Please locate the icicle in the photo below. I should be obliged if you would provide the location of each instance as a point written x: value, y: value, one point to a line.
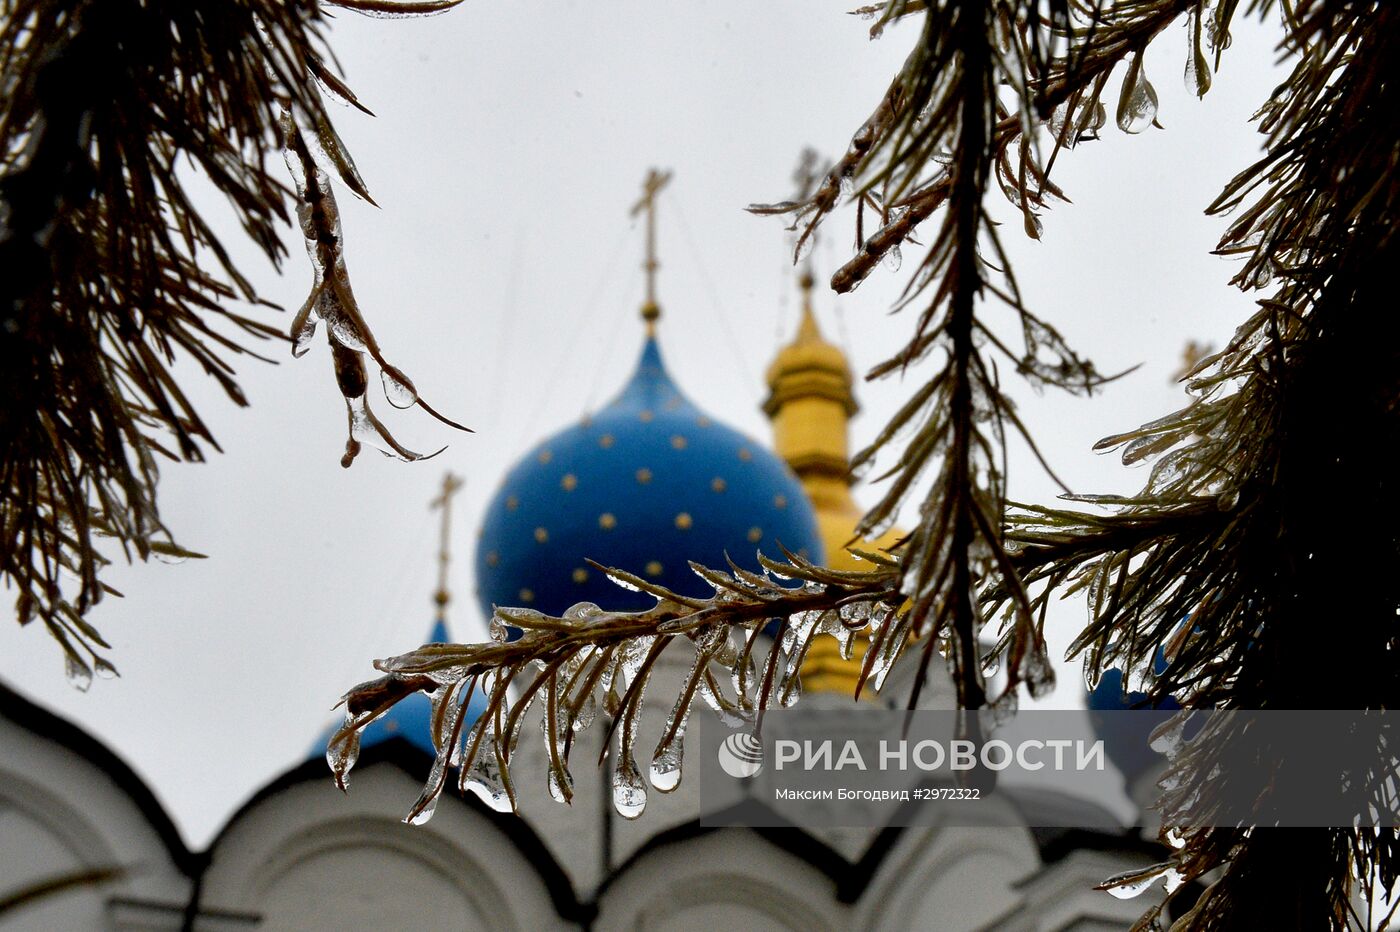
x: 79, y: 674
x: 485, y: 779
x: 1137, y: 101
x: 1133, y: 883
x: 1197, y: 74
x: 398, y: 388
x: 629, y: 793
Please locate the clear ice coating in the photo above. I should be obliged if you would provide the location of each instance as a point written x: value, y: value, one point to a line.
x: 1167, y: 738
x: 1133, y: 883
x: 79, y: 674
x: 629, y: 793
x: 1137, y: 101
x: 560, y: 785
x: 1197, y: 74
x: 398, y: 388
x: 666, y: 766
x: 484, y: 779
x: 421, y: 814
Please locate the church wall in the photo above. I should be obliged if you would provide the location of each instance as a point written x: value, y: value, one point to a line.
x: 61, y: 813
x: 308, y: 857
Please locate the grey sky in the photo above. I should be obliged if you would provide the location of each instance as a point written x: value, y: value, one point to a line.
x: 502, y: 274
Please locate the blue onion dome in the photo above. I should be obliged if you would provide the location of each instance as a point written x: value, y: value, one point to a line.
x: 411, y: 719
x: 1123, y: 740
x: 647, y: 484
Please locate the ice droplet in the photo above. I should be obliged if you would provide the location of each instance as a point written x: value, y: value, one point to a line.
x: 1133, y: 883
x: 105, y: 669
x: 398, y: 388
x: 666, y: 766
x: 1137, y: 101
x: 629, y: 794
x: 557, y: 790
x: 341, y: 757
x: 586, y: 713
x: 485, y: 780
x: 1197, y: 74
x: 1167, y: 738
x: 301, y: 340
x: 421, y: 815
x: 892, y: 259
x: 79, y: 674
x: 498, y: 630
x: 582, y: 611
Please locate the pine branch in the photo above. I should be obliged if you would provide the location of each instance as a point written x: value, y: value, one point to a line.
x: 112, y: 273
x: 588, y: 652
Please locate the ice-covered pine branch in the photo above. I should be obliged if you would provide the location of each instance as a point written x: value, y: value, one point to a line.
x: 590, y: 659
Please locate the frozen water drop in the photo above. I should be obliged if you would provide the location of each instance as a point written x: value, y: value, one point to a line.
x: 422, y: 814
x: 892, y: 259
x: 1134, y: 883
x: 398, y: 388
x: 1137, y: 101
x: 666, y: 768
x: 301, y: 340
x: 557, y: 787
x: 79, y: 674
x: 629, y: 795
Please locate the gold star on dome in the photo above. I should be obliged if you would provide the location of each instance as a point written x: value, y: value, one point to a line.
x: 678, y: 442
x: 580, y: 575
x: 569, y: 482
x: 702, y: 421
x: 780, y: 502
x: 644, y: 475
x: 606, y: 521
x: 541, y: 535
x: 493, y: 558
x: 512, y: 503
x: 605, y: 441
x: 527, y: 595
x: 745, y: 454
x: 717, y: 484
x: 646, y: 416
x: 654, y: 568
x: 755, y: 534
x: 683, y: 521
x: 545, y: 456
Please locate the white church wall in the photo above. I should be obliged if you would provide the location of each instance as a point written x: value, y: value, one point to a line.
x: 308, y: 858
x: 61, y: 813
x: 730, y: 879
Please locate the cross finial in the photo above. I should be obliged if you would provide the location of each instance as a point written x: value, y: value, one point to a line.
x: 450, y: 486
x: 1191, y: 357
x: 655, y: 181
x: 805, y: 177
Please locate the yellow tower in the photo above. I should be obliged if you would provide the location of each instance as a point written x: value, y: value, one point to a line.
x: 810, y: 403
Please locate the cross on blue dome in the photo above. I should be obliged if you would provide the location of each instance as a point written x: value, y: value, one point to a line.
x: 647, y: 484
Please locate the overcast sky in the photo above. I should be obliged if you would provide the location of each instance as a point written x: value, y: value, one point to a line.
x: 501, y: 272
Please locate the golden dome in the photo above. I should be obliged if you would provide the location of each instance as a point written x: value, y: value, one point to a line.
x: 810, y: 405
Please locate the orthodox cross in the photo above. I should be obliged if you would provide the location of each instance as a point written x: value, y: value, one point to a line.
x: 450, y: 486
x: 1191, y: 356
x: 655, y: 181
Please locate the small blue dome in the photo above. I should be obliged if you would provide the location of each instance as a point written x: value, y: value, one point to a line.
x: 411, y: 718
x: 645, y: 485
x: 1124, y: 739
